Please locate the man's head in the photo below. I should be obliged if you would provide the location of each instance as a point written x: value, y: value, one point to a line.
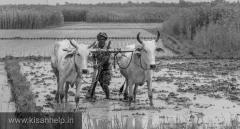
x: 102, y: 38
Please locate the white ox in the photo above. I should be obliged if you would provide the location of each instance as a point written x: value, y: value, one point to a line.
x: 69, y: 62
x: 138, y: 69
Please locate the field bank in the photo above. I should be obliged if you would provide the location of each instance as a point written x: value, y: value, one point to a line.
x: 6, y: 104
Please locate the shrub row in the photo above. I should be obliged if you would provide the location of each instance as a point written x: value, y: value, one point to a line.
x: 29, y: 17
x: 213, y: 29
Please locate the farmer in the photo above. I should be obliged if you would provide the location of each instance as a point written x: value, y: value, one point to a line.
x: 102, y: 66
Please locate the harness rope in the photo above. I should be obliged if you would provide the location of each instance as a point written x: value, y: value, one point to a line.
x: 141, y: 65
x: 127, y: 64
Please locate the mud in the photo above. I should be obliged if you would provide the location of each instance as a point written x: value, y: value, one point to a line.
x: 183, y: 90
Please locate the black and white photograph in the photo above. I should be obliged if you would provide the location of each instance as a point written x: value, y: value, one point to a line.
x: 119, y: 64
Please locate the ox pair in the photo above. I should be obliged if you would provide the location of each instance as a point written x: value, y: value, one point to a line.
x: 69, y: 62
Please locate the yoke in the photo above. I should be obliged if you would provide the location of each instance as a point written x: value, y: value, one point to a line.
x: 115, y: 51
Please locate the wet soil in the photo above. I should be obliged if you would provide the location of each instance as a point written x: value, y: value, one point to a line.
x: 203, y: 90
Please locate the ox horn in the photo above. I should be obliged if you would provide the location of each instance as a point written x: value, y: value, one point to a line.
x: 158, y: 36
x: 138, y: 38
x: 73, y: 44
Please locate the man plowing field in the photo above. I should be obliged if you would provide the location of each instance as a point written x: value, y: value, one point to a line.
x: 102, y: 66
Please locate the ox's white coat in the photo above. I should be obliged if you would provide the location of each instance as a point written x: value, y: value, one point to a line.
x: 138, y: 71
x: 67, y: 68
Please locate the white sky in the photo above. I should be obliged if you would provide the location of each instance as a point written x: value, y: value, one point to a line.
x: 2, y: 2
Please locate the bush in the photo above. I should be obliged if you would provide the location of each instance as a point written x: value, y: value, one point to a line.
x: 71, y: 14
x: 98, y: 13
x: 213, y: 29
x: 29, y: 17
x: 188, y: 21
x: 218, y: 41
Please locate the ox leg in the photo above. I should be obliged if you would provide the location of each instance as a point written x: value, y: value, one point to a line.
x: 60, y: 88
x: 57, y: 93
x: 130, y: 97
x: 121, y: 88
x: 135, y: 92
x: 150, y: 96
x: 78, y: 87
x: 105, y: 82
x: 126, y: 91
x: 66, y: 91
x: 55, y: 71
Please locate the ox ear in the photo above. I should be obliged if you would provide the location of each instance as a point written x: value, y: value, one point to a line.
x: 70, y: 53
x: 158, y: 36
x: 67, y: 50
x: 69, y: 56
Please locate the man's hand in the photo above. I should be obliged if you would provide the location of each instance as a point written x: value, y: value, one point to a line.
x: 97, y: 66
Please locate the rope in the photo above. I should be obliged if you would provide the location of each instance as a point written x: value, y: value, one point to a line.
x: 128, y: 63
x: 142, y: 65
x: 86, y: 82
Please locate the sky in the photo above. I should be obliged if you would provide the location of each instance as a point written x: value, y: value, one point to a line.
x: 53, y: 2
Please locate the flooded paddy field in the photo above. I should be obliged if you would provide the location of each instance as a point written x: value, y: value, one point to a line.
x: 201, y: 91
x: 205, y: 91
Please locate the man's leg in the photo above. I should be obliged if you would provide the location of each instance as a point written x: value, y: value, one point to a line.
x: 104, y: 80
x: 92, y: 87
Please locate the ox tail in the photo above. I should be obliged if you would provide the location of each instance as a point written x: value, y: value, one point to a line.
x: 122, y: 87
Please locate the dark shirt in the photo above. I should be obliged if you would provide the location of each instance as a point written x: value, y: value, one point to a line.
x: 103, y: 58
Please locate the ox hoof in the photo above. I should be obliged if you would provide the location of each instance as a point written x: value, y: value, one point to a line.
x: 57, y: 98
x: 130, y: 100
x: 88, y: 96
x: 125, y: 96
x: 107, y: 97
x: 132, y: 108
x: 151, y: 105
x: 77, y: 100
x: 76, y: 106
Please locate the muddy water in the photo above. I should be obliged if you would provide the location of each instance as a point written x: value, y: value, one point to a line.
x: 204, y: 91
x: 6, y: 105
